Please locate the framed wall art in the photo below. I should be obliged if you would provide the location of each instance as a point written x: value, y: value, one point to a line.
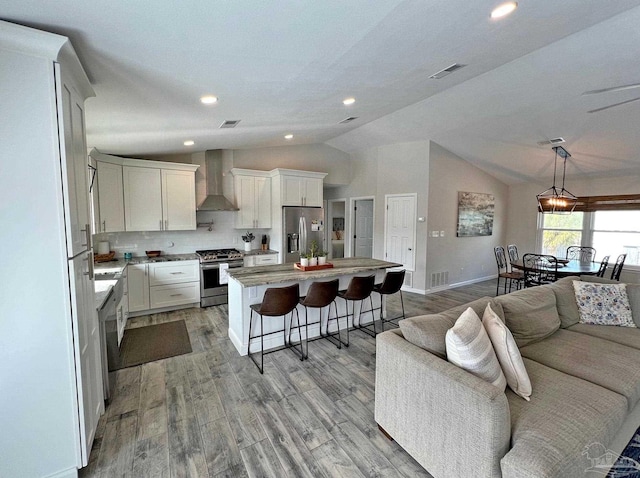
x: 475, y: 214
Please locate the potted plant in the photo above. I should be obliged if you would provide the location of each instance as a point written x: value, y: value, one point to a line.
x: 248, y: 238
x: 304, y: 260
x: 322, y: 257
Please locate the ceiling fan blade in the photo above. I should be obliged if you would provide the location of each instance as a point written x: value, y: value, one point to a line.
x: 614, y: 88
x: 614, y: 105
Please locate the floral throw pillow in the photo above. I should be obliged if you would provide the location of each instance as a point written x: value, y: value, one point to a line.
x: 603, y: 304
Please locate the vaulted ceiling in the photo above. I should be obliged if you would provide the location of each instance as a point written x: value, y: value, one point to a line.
x: 285, y: 66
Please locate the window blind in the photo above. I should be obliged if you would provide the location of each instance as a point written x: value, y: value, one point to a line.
x: 621, y: 202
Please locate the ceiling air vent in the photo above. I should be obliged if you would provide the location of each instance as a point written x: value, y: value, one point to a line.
x: 448, y: 70
x: 348, y: 120
x: 551, y: 141
x: 230, y: 124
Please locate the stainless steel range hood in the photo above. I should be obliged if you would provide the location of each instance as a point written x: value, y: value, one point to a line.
x: 215, y: 200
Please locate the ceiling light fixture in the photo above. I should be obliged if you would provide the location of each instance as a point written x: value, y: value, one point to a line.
x: 348, y: 101
x: 504, y: 9
x: 553, y: 201
x: 208, y: 99
x: 288, y: 136
x: 189, y: 142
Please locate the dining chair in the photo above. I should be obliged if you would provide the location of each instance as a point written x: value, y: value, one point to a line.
x: 604, y: 263
x: 512, y: 251
x: 617, y: 268
x: 581, y: 253
x: 539, y: 269
x: 509, y: 276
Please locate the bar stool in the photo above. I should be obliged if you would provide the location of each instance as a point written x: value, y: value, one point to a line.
x: 391, y: 284
x: 359, y: 289
x: 277, y: 301
x: 320, y: 295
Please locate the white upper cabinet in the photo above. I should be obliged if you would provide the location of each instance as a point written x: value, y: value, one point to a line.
x: 110, y: 191
x: 141, y: 195
x: 253, y: 198
x: 142, y: 199
x: 300, y: 188
x: 178, y: 200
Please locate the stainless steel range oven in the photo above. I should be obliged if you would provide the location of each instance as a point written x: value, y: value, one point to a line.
x: 213, y: 289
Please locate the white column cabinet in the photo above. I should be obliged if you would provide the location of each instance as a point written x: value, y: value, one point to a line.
x: 110, y: 189
x: 253, y: 198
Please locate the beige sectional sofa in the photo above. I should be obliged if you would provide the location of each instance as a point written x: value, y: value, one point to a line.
x: 585, y: 380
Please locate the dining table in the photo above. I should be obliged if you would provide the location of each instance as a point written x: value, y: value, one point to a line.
x: 568, y: 268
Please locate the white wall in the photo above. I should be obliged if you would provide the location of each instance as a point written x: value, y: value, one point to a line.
x: 464, y: 258
x: 522, y: 218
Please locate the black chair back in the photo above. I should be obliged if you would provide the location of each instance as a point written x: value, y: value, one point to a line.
x: 603, y: 266
x: 539, y: 269
x: 512, y: 250
x: 321, y: 294
x: 279, y: 300
x: 501, y: 259
x: 392, y: 282
x: 359, y: 288
x: 617, y: 268
x: 581, y: 253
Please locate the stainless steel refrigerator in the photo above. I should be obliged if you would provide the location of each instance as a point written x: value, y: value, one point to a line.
x: 301, y: 226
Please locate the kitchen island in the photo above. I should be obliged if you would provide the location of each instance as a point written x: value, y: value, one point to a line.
x: 248, y: 284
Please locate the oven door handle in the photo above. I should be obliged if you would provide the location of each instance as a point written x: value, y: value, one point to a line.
x: 206, y: 267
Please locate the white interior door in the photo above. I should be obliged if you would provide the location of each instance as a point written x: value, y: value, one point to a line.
x: 363, y: 219
x: 400, y: 230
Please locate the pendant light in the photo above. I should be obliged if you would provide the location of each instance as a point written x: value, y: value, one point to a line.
x: 553, y: 201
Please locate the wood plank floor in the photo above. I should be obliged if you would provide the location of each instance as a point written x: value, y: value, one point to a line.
x: 211, y: 414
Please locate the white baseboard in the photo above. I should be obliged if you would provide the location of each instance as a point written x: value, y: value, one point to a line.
x: 460, y: 284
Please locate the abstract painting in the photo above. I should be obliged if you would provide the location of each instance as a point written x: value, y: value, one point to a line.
x: 475, y: 214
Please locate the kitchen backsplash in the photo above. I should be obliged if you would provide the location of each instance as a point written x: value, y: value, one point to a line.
x: 222, y: 235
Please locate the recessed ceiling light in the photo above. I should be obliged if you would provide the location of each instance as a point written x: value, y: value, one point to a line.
x: 189, y: 143
x: 348, y: 101
x: 209, y: 99
x: 288, y: 136
x: 504, y: 9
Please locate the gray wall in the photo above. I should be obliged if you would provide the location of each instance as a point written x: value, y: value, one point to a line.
x: 390, y: 169
x: 307, y: 157
x: 464, y: 258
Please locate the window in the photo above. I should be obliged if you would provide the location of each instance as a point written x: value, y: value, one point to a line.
x: 560, y: 231
x: 617, y: 232
x: 610, y: 232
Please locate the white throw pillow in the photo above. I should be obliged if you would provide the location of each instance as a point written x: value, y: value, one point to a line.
x: 469, y: 347
x: 508, y: 353
x: 603, y: 304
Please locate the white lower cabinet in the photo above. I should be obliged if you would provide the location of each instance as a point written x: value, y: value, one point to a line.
x: 160, y: 285
x: 260, y: 260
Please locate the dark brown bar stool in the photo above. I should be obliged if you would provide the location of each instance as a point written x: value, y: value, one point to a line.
x: 320, y: 295
x: 359, y: 289
x: 392, y: 284
x: 277, y: 301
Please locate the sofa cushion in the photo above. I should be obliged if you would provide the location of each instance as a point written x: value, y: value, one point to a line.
x: 507, y: 353
x: 428, y: 331
x: 620, y: 335
x: 469, y: 347
x: 565, y: 415
x: 566, y: 301
x: 530, y: 314
x: 609, y: 365
x: 603, y: 304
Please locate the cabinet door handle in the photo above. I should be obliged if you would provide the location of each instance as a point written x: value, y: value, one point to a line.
x: 87, y: 236
x: 104, y: 226
x: 176, y: 273
x: 161, y: 224
x: 175, y: 295
x: 166, y: 224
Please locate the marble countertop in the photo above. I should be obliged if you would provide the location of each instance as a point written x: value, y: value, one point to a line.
x: 102, y: 289
x: 259, y: 252
x: 116, y: 266
x: 274, y: 274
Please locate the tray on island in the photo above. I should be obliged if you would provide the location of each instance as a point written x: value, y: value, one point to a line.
x: 298, y: 266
